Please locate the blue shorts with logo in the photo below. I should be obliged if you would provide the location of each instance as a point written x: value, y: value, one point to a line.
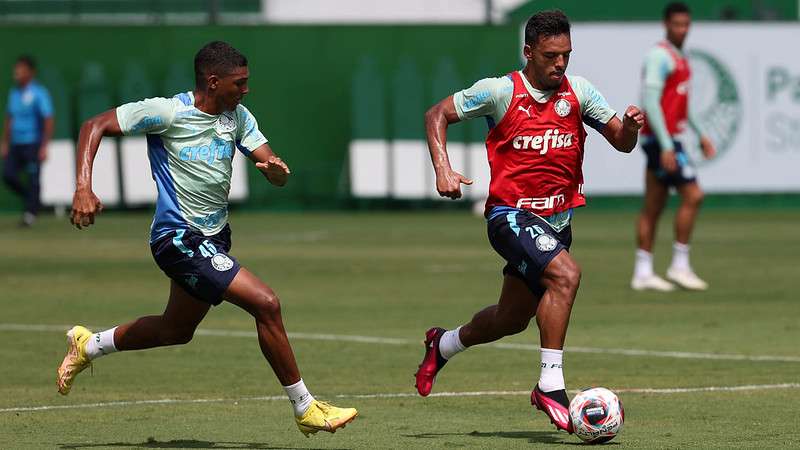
x: 684, y: 174
x: 199, y: 264
x: 528, y: 243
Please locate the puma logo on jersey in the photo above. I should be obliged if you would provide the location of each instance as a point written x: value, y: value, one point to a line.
x: 552, y: 139
x: 525, y: 110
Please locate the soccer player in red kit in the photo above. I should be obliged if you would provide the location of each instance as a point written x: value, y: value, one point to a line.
x: 665, y: 98
x: 535, y: 150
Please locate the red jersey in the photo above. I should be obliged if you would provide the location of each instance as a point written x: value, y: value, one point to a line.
x: 536, y: 152
x: 675, y: 95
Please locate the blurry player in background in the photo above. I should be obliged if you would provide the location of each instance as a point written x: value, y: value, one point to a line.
x: 666, y: 104
x: 191, y: 141
x: 535, y: 150
x: 27, y: 130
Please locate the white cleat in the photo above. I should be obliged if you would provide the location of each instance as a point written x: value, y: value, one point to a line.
x: 651, y: 283
x: 686, y: 279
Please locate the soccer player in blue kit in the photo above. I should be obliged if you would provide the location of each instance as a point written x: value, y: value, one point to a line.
x: 191, y: 141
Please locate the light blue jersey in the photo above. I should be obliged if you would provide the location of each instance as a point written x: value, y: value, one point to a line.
x: 190, y: 155
x: 28, y: 107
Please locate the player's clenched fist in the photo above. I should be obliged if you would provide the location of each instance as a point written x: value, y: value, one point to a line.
x: 449, y: 184
x: 85, y: 205
x: 633, y: 119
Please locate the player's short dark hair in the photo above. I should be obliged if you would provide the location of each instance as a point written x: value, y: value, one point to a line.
x: 675, y: 8
x: 27, y: 60
x: 218, y: 58
x: 545, y: 24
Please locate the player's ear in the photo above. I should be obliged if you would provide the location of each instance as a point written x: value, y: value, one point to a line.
x: 527, y: 51
x: 212, y: 82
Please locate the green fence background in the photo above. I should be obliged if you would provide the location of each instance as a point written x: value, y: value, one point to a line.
x: 303, y: 83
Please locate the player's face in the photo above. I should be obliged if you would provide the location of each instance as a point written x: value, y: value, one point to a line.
x: 22, y: 73
x: 677, y: 28
x: 549, y: 58
x: 231, y: 88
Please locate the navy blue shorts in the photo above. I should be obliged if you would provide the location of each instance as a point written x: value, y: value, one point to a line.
x: 199, y: 264
x: 528, y: 243
x: 684, y: 174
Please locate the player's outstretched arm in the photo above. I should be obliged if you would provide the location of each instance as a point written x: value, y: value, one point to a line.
x: 623, y: 134
x: 437, y: 118
x: 85, y: 205
x: 271, y: 166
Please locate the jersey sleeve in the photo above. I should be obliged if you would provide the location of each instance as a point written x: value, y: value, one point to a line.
x: 45, y: 103
x: 487, y: 97
x: 248, y: 136
x: 657, y: 66
x: 595, y: 110
x: 149, y: 116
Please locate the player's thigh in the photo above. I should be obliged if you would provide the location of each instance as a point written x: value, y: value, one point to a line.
x: 516, y: 298
x: 561, y: 272
x: 250, y: 293
x: 528, y: 244
x: 184, y: 311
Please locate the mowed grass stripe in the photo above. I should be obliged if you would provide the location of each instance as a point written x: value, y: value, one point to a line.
x: 398, y: 341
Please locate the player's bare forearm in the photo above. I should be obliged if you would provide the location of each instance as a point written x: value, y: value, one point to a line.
x: 47, y: 135
x: 85, y: 205
x: 92, y: 131
x: 623, y: 134
x: 437, y: 118
x: 49, y: 126
x: 271, y: 166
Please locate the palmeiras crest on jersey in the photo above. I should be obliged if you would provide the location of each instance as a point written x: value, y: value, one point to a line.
x: 225, y: 123
x: 562, y: 107
x: 545, y: 242
x: 221, y: 262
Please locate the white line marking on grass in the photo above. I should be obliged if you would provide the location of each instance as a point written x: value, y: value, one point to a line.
x: 171, y: 401
x: 400, y: 341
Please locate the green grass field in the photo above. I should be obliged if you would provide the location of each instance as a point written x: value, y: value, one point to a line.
x: 392, y: 275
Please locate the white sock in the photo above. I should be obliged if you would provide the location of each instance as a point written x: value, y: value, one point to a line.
x: 680, y: 256
x: 450, y: 344
x: 644, y: 264
x: 299, y: 397
x: 100, y: 344
x: 552, y: 376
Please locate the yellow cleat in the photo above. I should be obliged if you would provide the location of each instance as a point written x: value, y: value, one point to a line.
x: 76, y: 359
x: 322, y: 416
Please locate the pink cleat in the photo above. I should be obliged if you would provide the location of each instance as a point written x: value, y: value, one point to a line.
x: 432, y: 363
x: 556, y: 405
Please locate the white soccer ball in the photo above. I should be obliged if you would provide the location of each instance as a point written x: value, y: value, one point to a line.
x: 596, y: 415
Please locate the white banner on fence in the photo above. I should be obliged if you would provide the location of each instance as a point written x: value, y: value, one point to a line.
x: 745, y: 91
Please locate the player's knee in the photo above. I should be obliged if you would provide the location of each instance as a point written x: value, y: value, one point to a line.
x: 698, y: 198
x: 570, y: 277
x: 268, y: 305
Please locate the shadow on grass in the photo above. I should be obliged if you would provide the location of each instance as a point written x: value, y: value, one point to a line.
x: 534, y: 437
x: 184, y: 443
